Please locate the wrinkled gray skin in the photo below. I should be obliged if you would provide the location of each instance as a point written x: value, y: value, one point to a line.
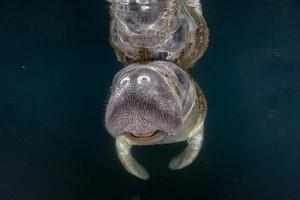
x: 156, y: 102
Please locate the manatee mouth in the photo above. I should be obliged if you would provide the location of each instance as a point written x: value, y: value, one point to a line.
x: 143, y: 135
x: 154, y: 136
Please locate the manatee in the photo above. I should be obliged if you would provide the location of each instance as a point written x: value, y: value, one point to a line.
x: 154, y: 100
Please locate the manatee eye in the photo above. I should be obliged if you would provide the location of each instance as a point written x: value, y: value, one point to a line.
x: 180, y: 76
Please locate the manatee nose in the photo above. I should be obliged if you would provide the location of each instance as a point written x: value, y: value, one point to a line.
x: 138, y: 78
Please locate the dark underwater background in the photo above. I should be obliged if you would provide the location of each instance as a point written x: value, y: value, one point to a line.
x: 56, y: 68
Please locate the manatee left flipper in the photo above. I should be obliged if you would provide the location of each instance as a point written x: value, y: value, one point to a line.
x: 130, y: 164
x: 189, y: 154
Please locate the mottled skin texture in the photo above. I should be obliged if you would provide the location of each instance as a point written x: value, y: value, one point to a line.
x: 156, y: 102
x: 170, y: 30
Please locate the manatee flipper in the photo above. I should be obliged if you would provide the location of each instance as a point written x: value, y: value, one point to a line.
x: 130, y: 164
x: 191, y: 151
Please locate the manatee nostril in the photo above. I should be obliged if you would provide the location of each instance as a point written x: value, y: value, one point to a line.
x: 124, y: 82
x: 123, y: 1
x: 142, y: 1
x: 143, y: 79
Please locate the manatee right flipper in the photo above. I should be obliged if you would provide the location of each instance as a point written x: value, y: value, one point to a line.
x: 130, y: 164
x: 190, y: 153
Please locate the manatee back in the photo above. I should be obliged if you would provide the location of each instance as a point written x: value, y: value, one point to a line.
x: 166, y: 30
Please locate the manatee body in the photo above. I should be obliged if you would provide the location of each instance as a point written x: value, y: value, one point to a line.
x: 153, y: 100
x: 169, y: 30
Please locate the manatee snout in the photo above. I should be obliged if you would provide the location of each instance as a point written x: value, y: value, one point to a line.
x: 142, y: 103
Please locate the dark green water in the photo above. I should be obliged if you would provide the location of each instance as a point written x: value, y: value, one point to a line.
x: 56, y: 67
